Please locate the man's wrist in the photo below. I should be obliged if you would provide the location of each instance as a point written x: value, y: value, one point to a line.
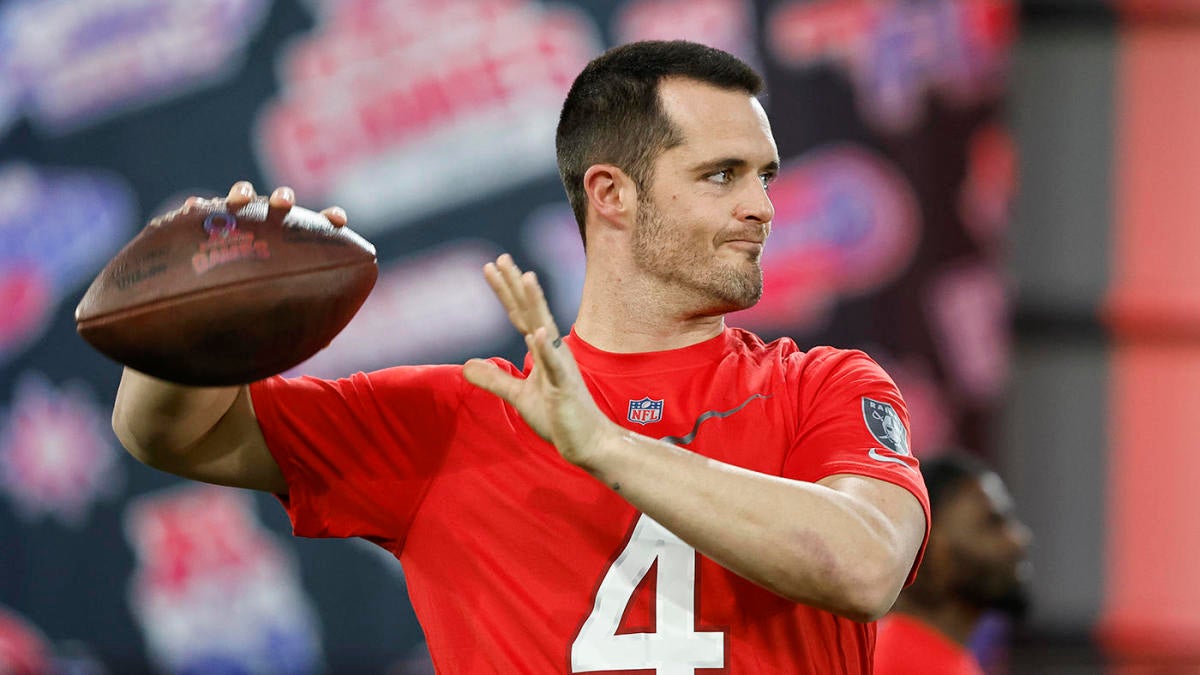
x: 601, y: 450
x: 611, y: 454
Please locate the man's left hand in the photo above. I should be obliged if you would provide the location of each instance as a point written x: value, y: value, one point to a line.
x: 553, y: 399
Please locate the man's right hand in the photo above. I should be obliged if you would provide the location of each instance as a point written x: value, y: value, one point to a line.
x: 208, y: 434
x: 283, y: 198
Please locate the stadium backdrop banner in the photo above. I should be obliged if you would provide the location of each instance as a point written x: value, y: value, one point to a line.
x: 431, y: 122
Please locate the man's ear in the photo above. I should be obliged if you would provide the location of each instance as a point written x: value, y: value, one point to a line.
x: 611, y: 193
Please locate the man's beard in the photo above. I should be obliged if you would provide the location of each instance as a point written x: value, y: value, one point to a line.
x: 664, y: 251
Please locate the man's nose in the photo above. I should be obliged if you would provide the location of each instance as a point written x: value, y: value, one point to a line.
x: 755, y: 204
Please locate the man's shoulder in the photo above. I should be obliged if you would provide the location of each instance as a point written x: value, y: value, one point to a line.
x: 784, y: 351
x: 433, y: 382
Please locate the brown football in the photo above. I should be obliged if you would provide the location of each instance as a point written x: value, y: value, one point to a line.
x: 210, y: 298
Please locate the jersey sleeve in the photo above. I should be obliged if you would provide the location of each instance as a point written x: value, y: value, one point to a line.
x: 359, y: 453
x: 852, y: 420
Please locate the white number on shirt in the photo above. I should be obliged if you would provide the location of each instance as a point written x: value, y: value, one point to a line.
x: 675, y: 648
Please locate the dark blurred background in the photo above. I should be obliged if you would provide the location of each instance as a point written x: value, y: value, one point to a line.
x: 996, y: 200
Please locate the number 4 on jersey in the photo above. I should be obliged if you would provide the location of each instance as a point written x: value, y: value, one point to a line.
x: 675, y: 648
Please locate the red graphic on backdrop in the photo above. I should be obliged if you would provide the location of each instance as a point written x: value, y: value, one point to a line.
x: 213, y: 591
x: 990, y: 184
x: 57, y: 451
x: 968, y: 310
x: 395, y: 108
x: 26, y: 296
x: 24, y: 650
x: 724, y: 24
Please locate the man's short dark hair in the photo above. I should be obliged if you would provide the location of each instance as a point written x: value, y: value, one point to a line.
x: 613, y: 115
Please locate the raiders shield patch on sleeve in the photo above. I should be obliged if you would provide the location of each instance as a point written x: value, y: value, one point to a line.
x: 885, y: 425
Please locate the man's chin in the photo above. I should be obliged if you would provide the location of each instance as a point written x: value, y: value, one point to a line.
x: 726, y: 303
x: 736, y: 304
x: 734, y: 289
x: 751, y: 301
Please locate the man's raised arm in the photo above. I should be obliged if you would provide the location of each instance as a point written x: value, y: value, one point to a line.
x: 208, y: 434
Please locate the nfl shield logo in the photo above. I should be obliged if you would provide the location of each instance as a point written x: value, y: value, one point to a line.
x: 646, y: 410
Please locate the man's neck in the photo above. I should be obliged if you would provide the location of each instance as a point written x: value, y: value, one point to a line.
x: 620, y: 316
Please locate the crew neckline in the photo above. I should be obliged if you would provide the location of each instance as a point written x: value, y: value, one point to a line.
x: 594, y: 359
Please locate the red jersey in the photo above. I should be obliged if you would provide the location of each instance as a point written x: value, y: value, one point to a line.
x: 519, y: 562
x: 909, y: 646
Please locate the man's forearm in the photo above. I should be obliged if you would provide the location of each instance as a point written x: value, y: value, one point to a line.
x: 805, y: 541
x: 155, y: 420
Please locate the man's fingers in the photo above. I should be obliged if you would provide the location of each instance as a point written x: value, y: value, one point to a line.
x: 282, y: 198
x: 555, y: 361
x: 495, y: 279
x: 521, y: 295
x: 538, y: 305
x: 240, y: 195
x: 511, y: 274
x: 526, y: 293
x: 336, y: 216
x: 540, y: 348
x: 486, y: 376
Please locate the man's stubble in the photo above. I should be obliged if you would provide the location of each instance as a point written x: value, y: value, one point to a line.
x: 663, y: 250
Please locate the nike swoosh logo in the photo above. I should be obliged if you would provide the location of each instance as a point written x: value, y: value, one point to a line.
x: 684, y: 440
x: 874, y: 454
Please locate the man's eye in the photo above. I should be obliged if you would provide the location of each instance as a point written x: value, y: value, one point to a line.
x: 766, y: 179
x: 722, y: 177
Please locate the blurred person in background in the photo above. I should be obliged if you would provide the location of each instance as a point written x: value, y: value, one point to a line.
x: 975, y: 563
